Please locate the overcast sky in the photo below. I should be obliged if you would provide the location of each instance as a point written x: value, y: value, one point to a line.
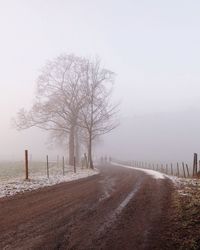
x: 152, y: 46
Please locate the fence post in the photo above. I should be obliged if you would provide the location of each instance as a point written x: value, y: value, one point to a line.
x: 183, y: 169
x: 26, y: 164
x: 177, y: 169
x: 74, y: 164
x: 195, y: 164
x: 187, y: 170
x: 157, y: 167
x: 172, y: 169
x: 86, y: 161
x: 198, y: 169
x: 63, y: 165
x: 166, y: 168
x: 47, y: 166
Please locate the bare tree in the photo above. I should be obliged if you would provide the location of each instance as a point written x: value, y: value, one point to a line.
x: 98, y: 115
x: 58, y: 100
x: 73, y: 97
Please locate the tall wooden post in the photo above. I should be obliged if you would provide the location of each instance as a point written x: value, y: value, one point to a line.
x: 74, y: 164
x: 195, y: 162
x: 47, y: 167
x: 166, y: 168
x: 183, y: 170
x: 187, y: 170
x: 157, y: 166
x: 86, y: 160
x: 177, y: 169
x: 171, y: 169
x: 26, y: 164
x: 63, y: 165
x: 198, y: 169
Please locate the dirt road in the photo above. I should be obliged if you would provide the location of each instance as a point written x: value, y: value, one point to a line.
x: 118, y: 209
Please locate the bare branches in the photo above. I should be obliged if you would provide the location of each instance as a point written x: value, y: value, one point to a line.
x: 97, y: 115
x: 72, y: 92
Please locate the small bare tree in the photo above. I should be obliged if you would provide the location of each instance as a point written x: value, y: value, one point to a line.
x: 98, y: 115
x: 58, y: 100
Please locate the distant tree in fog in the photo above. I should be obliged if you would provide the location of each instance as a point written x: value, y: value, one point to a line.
x: 97, y: 115
x: 72, y: 92
x: 57, y: 101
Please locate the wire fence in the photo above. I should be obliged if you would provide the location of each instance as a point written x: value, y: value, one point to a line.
x: 179, y: 169
x: 33, y: 168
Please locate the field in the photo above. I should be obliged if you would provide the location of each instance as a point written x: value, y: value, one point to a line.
x: 12, y: 176
x: 13, y: 170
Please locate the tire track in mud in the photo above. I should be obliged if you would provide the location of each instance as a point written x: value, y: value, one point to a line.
x: 114, y: 214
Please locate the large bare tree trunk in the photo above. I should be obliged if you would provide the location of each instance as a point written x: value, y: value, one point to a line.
x: 71, y: 146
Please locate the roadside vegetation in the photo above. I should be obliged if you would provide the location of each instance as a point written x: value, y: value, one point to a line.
x: 184, y: 215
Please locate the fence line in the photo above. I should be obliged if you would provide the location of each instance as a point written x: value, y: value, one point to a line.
x: 30, y: 168
x: 174, y: 170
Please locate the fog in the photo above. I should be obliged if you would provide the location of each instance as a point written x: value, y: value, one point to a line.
x: 152, y: 46
x: 155, y: 138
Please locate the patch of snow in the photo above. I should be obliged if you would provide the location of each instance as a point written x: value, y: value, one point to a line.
x: 107, y: 184
x: 185, y: 186
x: 19, y: 185
x: 153, y: 173
x: 186, y: 182
x: 125, y: 202
x: 113, y: 216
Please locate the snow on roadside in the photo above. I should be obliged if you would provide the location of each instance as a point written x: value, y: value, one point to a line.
x: 184, y: 185
x: 19, y: 185
x: 185, y: 181
x: 153, y: 173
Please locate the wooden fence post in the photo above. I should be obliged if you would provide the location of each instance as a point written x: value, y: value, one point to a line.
x: 172, y: 169
x: 177, y: 169
x: 195, y: 162
x: 198, y: 169
x: 47, y: 166
x: 63, y: 166
x: 183, y: 170
x: 166, y: 168
x: 74, y: 164
x: 157, y: 167
x: 26, y: 164
x: 187, y: 170
x: 86, y: 160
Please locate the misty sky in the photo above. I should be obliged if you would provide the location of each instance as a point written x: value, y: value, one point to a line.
x: 152, y: 46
